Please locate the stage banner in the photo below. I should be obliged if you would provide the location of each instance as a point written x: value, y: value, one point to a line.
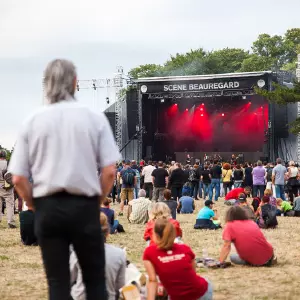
x: 204, y: 85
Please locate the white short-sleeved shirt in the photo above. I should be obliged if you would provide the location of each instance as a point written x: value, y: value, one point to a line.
x: 60, y: 147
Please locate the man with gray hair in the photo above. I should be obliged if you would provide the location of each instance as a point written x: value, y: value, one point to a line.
x: 138, y: 209
x: 60, y: 147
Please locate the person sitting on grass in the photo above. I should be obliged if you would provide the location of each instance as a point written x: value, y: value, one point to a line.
x: 172, y: 204
x: 251, y: 245
x: 110, y: 214
x: 232, y: 197
x: 269, y: 194
x: 266, y: 214
x: 28, y: 237
x: 284, y: 207
x: 175, y: 266
x: 242, y: 202
x: 207, y: 217
x: 160, y: 210
x: 138, y: 209
x: 186, y: 204
x: 297, y: 207
x: 115, y: 268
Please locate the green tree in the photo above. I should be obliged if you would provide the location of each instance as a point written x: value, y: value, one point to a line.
x: 148, y: 70
x: 256, y: 63
x: 292, y: 44
x: 227, y: 60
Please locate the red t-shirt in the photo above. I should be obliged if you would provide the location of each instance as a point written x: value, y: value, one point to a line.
x: 234, y: 194
x: 249, y: 241
x: 175, y: 271
x: 150, y: 226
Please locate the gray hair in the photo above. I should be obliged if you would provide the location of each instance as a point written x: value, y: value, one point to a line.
x: 142, y: 193
x: 59, y: 80
x: 259, y: 163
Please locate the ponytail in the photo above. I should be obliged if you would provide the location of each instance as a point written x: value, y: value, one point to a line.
x: 166, y: 232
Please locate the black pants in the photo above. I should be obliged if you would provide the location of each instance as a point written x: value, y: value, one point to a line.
x: 63, y: 219
x: 227, y: 187
x: 149, y: 189
x: 176, y: 192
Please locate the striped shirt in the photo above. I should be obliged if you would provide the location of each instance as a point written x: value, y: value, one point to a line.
x: 140, y: 210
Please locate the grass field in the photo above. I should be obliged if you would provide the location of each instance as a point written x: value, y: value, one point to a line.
x: 22, y: 275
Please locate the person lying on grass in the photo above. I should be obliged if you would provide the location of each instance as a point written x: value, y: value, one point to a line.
x: 251, y: 245
x: 160, y: 210
x: 175, y: 266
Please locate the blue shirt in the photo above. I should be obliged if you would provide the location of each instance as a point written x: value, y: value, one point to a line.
x: 186, y: 204
x: 205, y: 213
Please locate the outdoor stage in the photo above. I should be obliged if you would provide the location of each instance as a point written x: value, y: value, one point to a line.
x: 205, y: 114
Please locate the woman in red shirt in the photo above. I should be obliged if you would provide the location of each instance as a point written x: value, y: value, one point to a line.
x: 251, y: 245
x: 175, y: 265
x: 160, y: 210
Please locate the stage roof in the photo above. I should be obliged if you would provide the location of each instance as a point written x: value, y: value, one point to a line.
x: 202, y: 77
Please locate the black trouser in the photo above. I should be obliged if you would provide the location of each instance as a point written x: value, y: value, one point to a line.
x: 226, y: 187
x: 63, y: 219
x: 176, y: 192
x: 149, y: 189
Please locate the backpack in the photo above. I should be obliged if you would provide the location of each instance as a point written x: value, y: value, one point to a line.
x: 128, y: 177
x: 269, y: 213
x: 7, y: 177
x: 192, y: 175
x: 269, y: 174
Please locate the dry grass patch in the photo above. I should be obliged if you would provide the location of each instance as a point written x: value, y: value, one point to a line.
x: 22, y: 275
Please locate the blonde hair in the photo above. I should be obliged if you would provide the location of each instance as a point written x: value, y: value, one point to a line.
x: 104, y: 225
x: 160, y: 210
x: 268, y: 192
x: 278, y: 201
x: 165, y: 234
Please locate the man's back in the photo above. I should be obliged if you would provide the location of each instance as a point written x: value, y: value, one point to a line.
x: 140, y: 209
x: 63, y: 142
x: 279, y: 172
x: 147, y: 172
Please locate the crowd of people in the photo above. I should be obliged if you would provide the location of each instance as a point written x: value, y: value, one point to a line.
x: 79, y: 262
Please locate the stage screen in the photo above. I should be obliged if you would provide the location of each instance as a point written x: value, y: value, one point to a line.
x: 220, y: 124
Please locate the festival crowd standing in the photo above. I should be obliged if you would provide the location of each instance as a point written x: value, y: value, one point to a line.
x: 60, y: 146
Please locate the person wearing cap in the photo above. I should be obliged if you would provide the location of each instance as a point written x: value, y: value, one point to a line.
x: 207, y: 217
x: 242, y: 202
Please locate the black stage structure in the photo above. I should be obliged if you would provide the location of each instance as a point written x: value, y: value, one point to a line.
x: 170, y: 117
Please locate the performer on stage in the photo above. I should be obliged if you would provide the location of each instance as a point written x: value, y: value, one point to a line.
x: 233, y: 159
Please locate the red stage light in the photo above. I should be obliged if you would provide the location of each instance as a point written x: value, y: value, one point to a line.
x: 222, y: 115
x: 201, y: 115
x: 175, y: 104
x: 201, y: 109
x: 249, y: 102
x: 261, y: 107
x: 186, y: 109
x: 202, y: 104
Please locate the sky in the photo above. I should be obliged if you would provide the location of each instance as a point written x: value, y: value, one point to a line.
x: 100, y: 35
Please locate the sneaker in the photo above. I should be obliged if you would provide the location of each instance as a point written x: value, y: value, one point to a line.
x: 120, y: 213
x: 274, y: 261
x: 12, y: 226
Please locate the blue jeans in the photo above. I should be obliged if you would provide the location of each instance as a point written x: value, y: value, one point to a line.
x: 279, y: 190
x: 137, y: 188
x: 200, y: 189
x: 114, y: 227
x: 195, y: 187
x: 215, y: 185
x: 209, y: 293
x: 260, y: 188
x: 207, y: 191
